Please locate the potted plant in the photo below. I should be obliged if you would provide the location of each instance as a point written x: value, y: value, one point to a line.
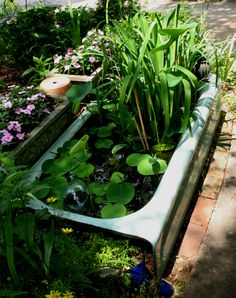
x: 83, y: 63
x: 159, y: 106
x: 28, y: 117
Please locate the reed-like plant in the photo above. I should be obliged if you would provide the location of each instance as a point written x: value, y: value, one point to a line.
x: 152, y: 57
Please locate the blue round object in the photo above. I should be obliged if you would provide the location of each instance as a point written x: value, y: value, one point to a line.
x: 165, y: 289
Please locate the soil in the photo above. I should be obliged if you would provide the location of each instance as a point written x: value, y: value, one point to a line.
x: 9, y: 74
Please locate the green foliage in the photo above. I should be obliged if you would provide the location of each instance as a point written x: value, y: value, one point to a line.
x: 43, y: 32
x: 38, y: 72
x: 152, y: 58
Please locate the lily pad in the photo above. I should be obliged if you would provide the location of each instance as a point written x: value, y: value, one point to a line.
x: 83, y: 170
x: 121, y: 193
x: 113, y: 211
x: 97, y: 188
x: 134, y: 159
x: 57, y: 167
x: 117, y: 177
x: 103, y: 143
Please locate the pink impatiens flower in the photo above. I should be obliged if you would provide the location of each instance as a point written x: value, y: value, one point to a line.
x: 20, y: 136
x: 92, y: 59
x: 7, y: 105
x: 22, y: 92
x: 14, y: 125
x: 7, y: 137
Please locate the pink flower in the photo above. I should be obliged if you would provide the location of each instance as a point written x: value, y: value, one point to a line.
x: 37, y: 95
x: 22, y: 92
x: 7, y: 137
x: 14, y: 125
x: 20, y: 136
x: 77, y: 65
x: 11, y: 86
x: 69, y: 52
x: 46, y: 111
x: 19, y: 111
x: 7, y: 105
x: 92, y: 59
x: 30, y: 87
x: 29, y: 109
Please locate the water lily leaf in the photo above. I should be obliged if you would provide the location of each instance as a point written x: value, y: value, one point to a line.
x: 80, y: 145
x: 121, y: 193
x: 113, y: 211
x: 117, y: 177
x: 105, y: 131
x: 163, y: 147
x: 106, y: 143
x: 58, y: 186
x: 118, y: 147
x: 163, y: 165
x: 57, y: 167
x: 81, y: 156
x: 145, y: 167
x: 97, y: 188
x: 83, y: 170
x: 135, y: 158
x: 100, y: 200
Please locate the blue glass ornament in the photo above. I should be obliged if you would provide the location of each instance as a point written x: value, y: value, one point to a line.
x: 165, y: 289
x: 140, y: 274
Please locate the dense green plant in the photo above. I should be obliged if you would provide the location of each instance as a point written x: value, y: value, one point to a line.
x: 224, y: 58
x: 39, y: 71
x: 54, y: 31
x: 152, y: 58
x: 8, y: 7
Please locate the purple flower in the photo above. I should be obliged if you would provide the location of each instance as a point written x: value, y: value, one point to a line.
x: 14, y: 125
x: 30, y: 87
x: 11, y: 86
x: 7, y: 137
x: 77, y: 65
x: 22, y: 92
x: 46, y: 111
x: 19, y: 111
x: 7, y: 105
x: 69, y: 52
x: 92, y: 59
x: 37, y: 95
x: 29, y: 109
x: 20, y: 136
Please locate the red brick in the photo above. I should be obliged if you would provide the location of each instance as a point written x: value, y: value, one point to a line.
x: 202, y: 211
x: 192, y: 241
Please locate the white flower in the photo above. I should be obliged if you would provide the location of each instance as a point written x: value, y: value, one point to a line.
x: 57, y: 59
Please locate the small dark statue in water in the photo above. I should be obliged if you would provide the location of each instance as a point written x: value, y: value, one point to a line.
x: 201, y: 68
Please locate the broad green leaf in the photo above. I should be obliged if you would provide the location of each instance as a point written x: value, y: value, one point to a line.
x: 173, y: 80
x: 121, y: 193
x: 134, y: 159
x: 83, y: 170
x: 113, y: 211
x: 79, y: 92
x: 97, y: 188
x: 57, y: 167
x: 80, y: 145
x: 163, y: 147
x: 117, y: 177
x: 103, y: 143
x: 118, y: 147
x: 104, y: 131
x: 145, y: 168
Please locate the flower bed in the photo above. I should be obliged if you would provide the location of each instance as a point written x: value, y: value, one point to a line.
x: 26, y: 118
x: 82, y: 64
